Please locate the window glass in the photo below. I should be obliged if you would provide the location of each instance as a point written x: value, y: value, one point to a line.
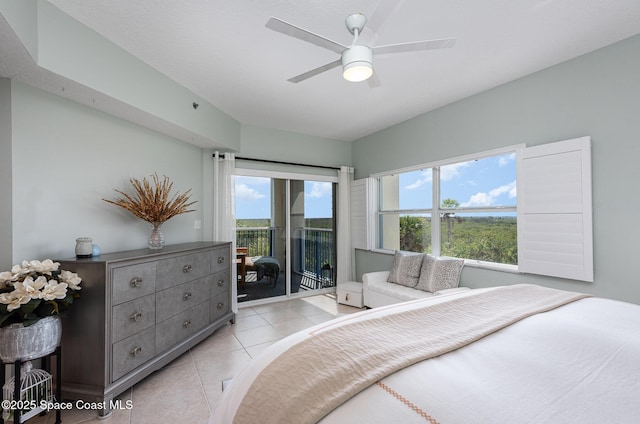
x: 488, y: 237
x: 407, y: 190
x: 409, y: 232
x: 486, y: 182
x: 476, y: 210
x: 284, y: 236
x: 253, y: 200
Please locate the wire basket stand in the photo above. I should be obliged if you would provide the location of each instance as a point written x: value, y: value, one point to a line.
x: 35, y: 388
x: 30, y: 391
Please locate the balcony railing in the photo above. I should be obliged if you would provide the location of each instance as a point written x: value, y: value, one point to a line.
x: 257, y: 240
x: 313, y: 259
x: 316, y: 247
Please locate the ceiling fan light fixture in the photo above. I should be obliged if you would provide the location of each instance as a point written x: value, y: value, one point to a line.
x: 357, y: 71
x: 357, y: 63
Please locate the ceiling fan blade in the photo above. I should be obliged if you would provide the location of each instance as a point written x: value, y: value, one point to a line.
x: 374, y: 81
x: 316, y: 71
x: 415, y: 46
x: 304, y: 35
x: 383, y: 10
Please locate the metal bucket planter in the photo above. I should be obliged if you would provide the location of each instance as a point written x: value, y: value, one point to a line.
x: 18, y: 342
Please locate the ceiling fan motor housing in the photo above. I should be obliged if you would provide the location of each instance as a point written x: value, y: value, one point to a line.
x: 357, y: 53
x: 357, y: 63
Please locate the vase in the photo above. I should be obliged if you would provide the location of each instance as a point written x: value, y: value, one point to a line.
x: 18, y: 342
x: 156, y: 239
x: 84, y: 247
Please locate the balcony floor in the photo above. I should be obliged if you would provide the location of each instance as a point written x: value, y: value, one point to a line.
x: 263, y: 289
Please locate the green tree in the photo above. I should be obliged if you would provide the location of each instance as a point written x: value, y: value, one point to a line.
x: 449, y: 217
x: 491, y: 239
x: 411, y: 230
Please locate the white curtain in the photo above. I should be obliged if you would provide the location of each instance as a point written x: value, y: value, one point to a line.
x: 345, y: 254
x: 224, y: 211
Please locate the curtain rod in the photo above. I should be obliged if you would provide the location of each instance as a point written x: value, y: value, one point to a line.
x: 281, y: 163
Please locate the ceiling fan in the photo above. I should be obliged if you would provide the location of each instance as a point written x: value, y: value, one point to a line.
x: 356, y: 59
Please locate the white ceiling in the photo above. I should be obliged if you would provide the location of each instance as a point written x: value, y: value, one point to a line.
x: 221, y: 50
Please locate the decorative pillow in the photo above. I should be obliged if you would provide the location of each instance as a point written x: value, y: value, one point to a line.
x: 439, y: 273
x: 405, y: 269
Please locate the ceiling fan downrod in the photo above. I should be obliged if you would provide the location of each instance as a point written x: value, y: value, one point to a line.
x: 355, y: 23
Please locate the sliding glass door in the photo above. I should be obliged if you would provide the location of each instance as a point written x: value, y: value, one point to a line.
x: 312, y: 242
x: 284, y: 236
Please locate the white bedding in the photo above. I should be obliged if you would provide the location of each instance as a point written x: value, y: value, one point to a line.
x: 577, y: 363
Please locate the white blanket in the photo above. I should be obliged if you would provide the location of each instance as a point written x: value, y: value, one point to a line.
x: 509, y: 376
x: 575, y: 364
x: 334, y: 363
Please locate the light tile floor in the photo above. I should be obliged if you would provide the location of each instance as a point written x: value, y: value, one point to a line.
x: 188, y: 389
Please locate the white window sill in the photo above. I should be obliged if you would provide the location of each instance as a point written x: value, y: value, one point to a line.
x: 383, y: 251
x: 492, y: 266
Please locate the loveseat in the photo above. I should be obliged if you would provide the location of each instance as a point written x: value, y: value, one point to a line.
x: 412, y: 276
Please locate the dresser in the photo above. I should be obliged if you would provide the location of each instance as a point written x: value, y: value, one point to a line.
x: 138, y: 311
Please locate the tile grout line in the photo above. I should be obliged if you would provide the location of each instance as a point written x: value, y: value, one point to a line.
x: 202, y: 389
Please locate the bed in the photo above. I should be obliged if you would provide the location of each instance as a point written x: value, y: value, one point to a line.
x: 513, y: 354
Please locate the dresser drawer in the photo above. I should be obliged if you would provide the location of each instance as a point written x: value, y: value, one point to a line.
x: 173, y: 271
x: 220, y: 305
x: 132, y: 352
x: 180, y: 298
x: 133, y: 281
x: 172, y: 330
x: 219, y: 283
x: 132, y: 317
x: 220, y: 259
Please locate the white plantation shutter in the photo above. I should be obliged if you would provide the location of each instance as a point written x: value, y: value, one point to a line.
x: 555, y: 210
x: 362, y: 225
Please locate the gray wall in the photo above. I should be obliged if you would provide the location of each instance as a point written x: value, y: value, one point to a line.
x: 68, y: 157
x: 5, y: 175
x: 59, y: 159
x: 262, y: 143
x: 597, y: 94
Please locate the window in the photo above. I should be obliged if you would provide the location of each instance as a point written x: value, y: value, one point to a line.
x: 464, y: 208
x: 475, y: 208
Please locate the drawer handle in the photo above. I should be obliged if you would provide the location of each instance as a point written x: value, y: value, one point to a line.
x: 220, y: 283
x: 220, y: 259
x: 136, y: 351
x: 186, y: 324
x: 346, y: 297
x: 135, y: 317
x: 136, y: 282
x: 186, y: 296
x: 220, y: 305
x: 187, y: 268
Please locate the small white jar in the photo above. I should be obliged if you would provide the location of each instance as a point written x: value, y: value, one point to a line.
x: 84, y: 247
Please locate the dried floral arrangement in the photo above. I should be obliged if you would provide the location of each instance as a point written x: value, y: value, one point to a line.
x: 154, y: 202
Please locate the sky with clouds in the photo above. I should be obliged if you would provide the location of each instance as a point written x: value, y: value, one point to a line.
x: 483, y: 182
x: 253, y: 198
